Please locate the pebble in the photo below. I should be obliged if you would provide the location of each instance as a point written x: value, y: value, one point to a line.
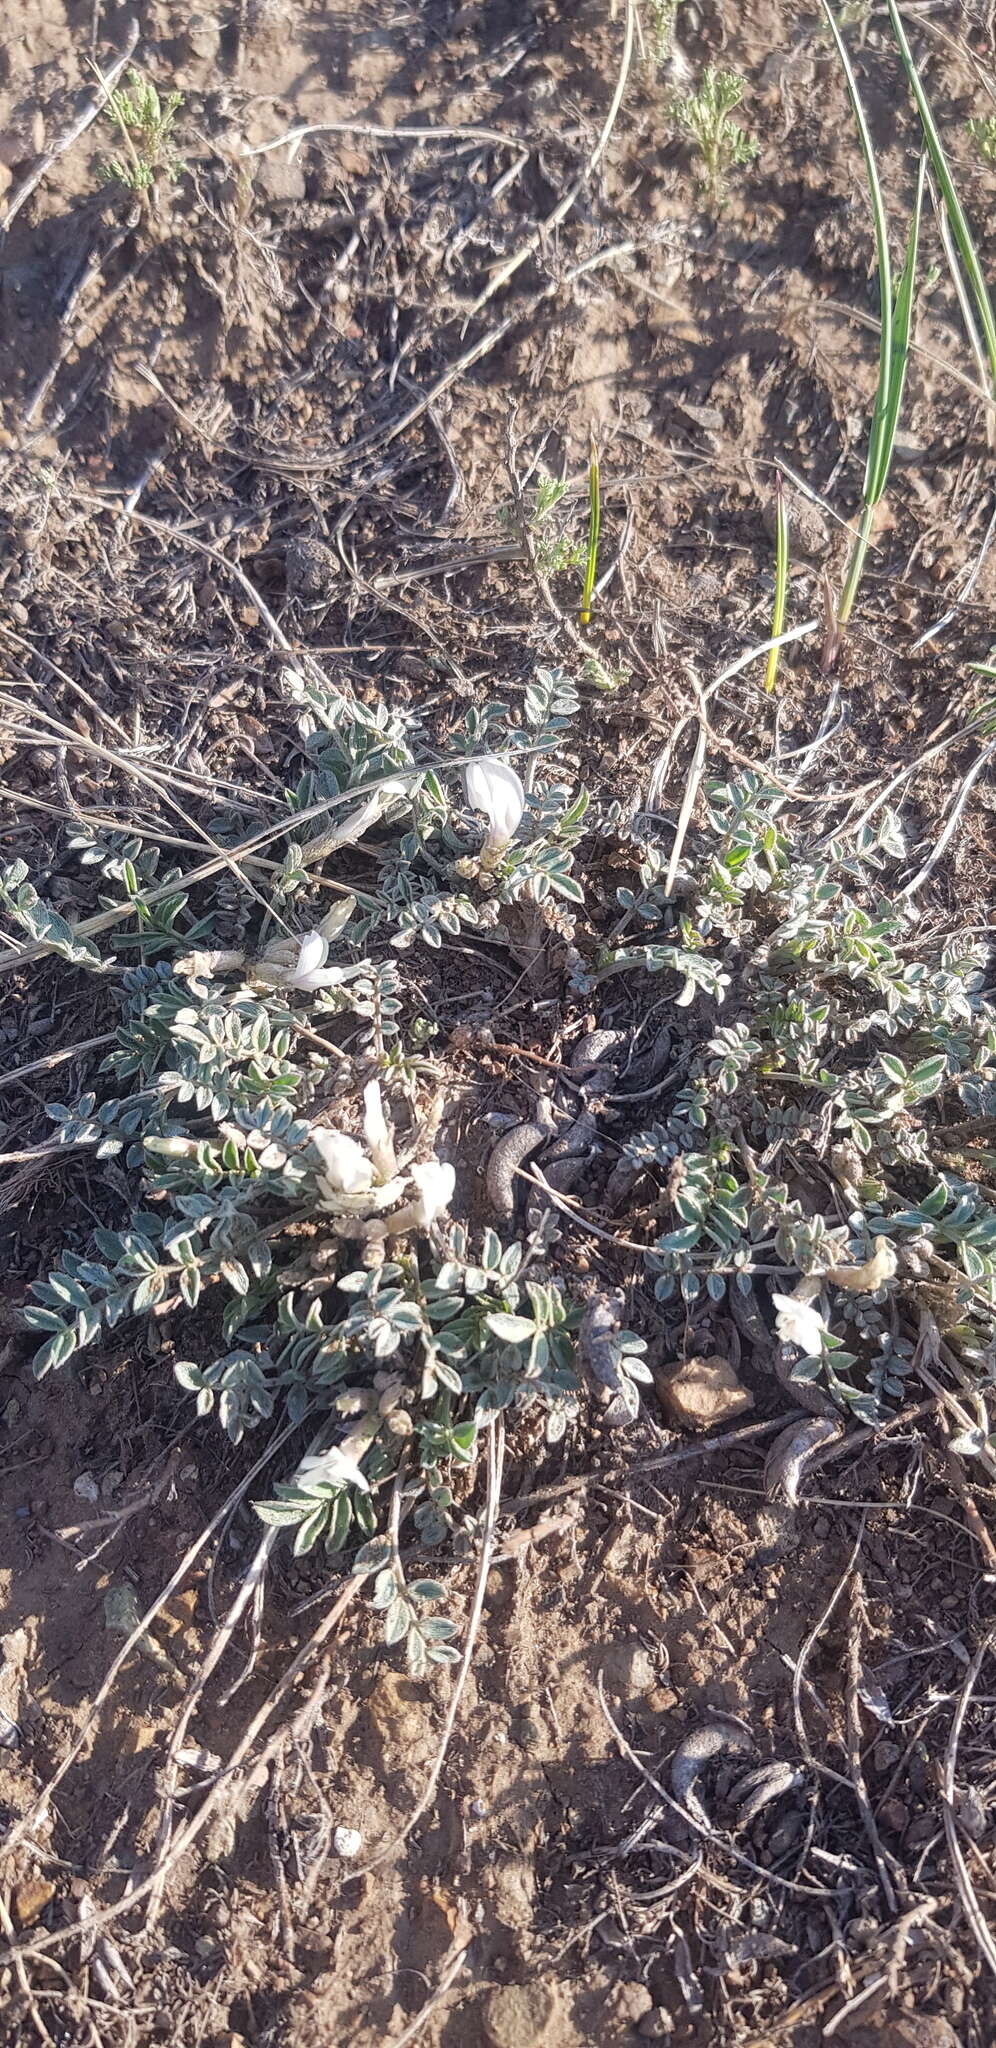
x: 86, y: 1488
x: 518, y: 2016
x: 31, y: 1898
x: 901, y: 2030
x: 347, y: 1842
x: 203, y: 38
x: 702, y: 1392
x: 656, y: 2025
x: 628, y: 1668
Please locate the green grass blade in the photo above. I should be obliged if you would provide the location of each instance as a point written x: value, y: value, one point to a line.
x: 594, y: 528
x: 942, y: 172
x: 901, y: 324
x: 875, y: 470
x: 781, y: 580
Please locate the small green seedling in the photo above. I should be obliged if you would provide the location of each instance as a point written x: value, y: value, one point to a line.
x: 553, y: 548
x: 594, y: 529
x: 144, y: 122
x: 723, y: 144
x: 660, y: 40
x: 983, y: 134
x: 781, y: 580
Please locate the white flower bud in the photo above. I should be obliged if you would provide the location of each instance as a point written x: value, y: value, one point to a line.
x: 494, y: 788
x: 798, y: 1322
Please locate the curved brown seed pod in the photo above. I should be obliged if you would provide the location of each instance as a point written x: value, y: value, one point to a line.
x: 786, y: 1460
x: 717, y: 1738
x: 509, y: 1153
x: 596, y: 1333
x: 760, y: 1787
x: 596, y: 1049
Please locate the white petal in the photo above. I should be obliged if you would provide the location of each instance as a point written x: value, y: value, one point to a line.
x: 312, y: 953
x: 336, y: 919
x: 494, y: 788
x: 798, y: 1322
x: 321, y: 977
x: 435, y: 1183
x: 377, y: 1131
x: 345, y: 1165
x: 335, y: 1466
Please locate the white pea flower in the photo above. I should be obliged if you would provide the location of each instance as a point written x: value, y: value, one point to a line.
x: 798, y: 1322
x: 335, y: 1466
x: 435, y: 1183
x: 377, y: 1132
x: 346, y: 1168
x: 298, y: 962
x: 494, y: 788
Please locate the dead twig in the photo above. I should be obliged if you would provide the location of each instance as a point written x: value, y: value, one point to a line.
x: 966, y: 1890
x: 891, y: 1875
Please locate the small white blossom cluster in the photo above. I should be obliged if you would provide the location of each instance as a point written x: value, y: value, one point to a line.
x: 364, y: 1187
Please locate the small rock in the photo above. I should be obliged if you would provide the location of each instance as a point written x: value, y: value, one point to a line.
x: 347, y: 1842
x: 203, y: 38
x: 628, y: 1668
x: 656, y: 2025
x: 973, y: 1813
x: 138, y: 1737
x: 629, y: 2004
x: 311, y: 569
x: 885, y: 1757
x: 280, y: 181
x: 901, y: 2030
x: 86, y: 1488
x: 893, y: 1815
x: 518, y: 2016
x: 31, y: 1899
x: 702, y: 1392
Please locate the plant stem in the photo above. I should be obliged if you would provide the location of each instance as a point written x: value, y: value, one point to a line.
x: 781, y: 580
x: 856, y: 565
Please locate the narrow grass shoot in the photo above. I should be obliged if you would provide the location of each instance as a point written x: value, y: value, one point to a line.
x: 781, y: 580
x: 895, y: 313
x: 964, y: 240
x: 594, y: 529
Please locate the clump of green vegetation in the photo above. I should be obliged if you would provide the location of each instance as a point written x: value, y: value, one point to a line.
x: 982, y: 130
x: 722, y: 143
x: 663, y: 14
x: 145, y: 123
x: 835, y: 1133
x: 554, y: 547
x: 304, y: 1246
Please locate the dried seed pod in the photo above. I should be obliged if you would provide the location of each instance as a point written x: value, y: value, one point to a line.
x: 760, y: 1787
x: 597, y: 1333
x: 874, y: 1273
x: 596, y: 1049
x: 509, y: 1153
x: 702, y: 1747
x: 786, y: 1460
